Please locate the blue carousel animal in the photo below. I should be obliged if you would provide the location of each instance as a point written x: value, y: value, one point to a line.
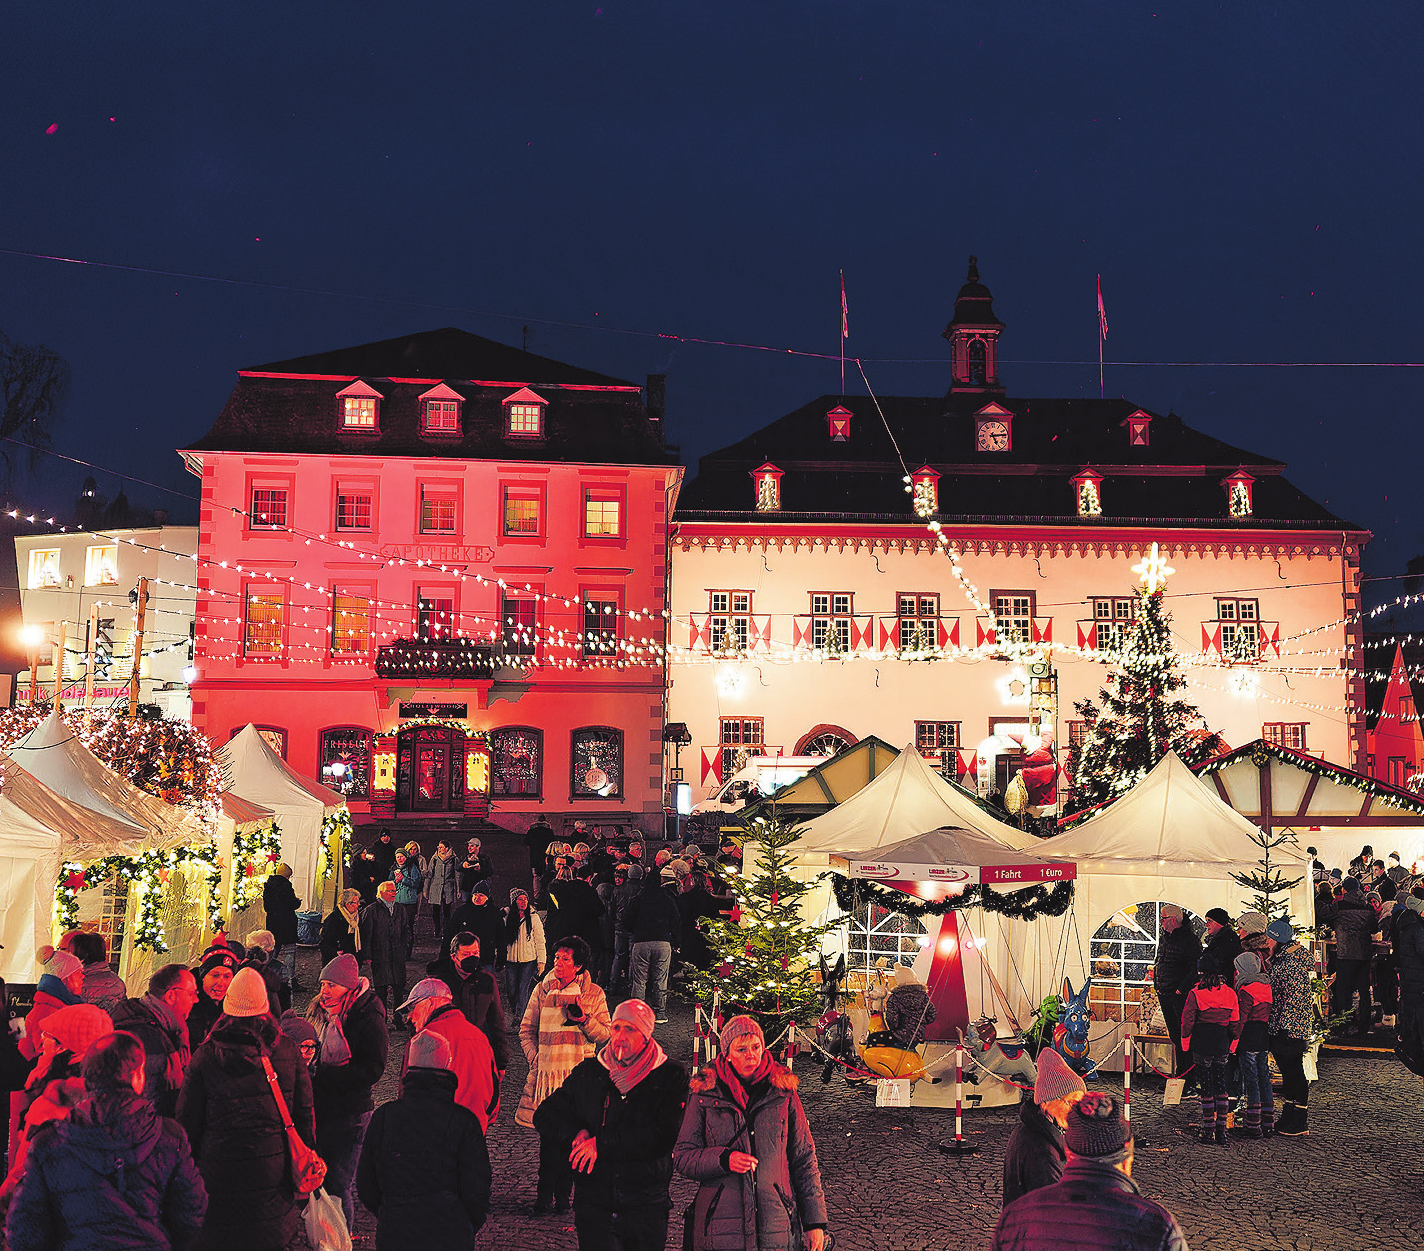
x: 1070, y: 1035
x: 1008, y: 1058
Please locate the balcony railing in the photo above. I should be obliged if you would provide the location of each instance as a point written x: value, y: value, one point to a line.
x: 438, y: 658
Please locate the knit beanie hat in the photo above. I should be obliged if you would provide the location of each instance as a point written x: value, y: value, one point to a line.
x: 297, y: 1028
x: 1336, y: 874
x: 1351, y: 883
x: 1219, y: 915
x: 637, y: 1014
x: 635, y: 872
x: 247, y: 996
x: 1414, y: 903
x: 1208, y: 965
x: 343, y: 971
x: 217, y: 957
x: 516, y: 892
x: 1096, y: 1129
x: 1055, y: 1079
x: 428, y: 1050
x: 1251, y: 923
x: 62, y: 965
x: 736, y: 1028
x: 78, y: 1026
x: 1280, y: 931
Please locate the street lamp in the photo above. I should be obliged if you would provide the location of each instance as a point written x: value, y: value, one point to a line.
x: 32, y: 636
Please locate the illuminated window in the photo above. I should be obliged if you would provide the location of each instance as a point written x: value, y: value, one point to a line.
x: 602, y: 513
x: 101, y: 566
x: 918, y: 622
x: 434, y: 614
x: 349, y: 747
x: 526, y: 419
x: 522, y: 511
x: 350, y: 623
x: 830, y: 621
x: 44, y: 567
x: 597, y: 763
x: 1087, y: 487
x: 730, y: 623
x: 1238, y: 493
x: 358, y: 411
x: 1240, y: 620
x: 516, y: 757
x: 262, y: 635
x: 519, y: 622
x: 600, y: 625
x: 1122, y: 953
x: 354, y: 506
x: 1013, y: 612
x: 438, y: 508
x: 742, y: 738
x: 924, y: 491
x: 440, y: 416
x: 1285, y: 734
x: 1112, y: 618
x: 269, y: 507
x: 767, y: 480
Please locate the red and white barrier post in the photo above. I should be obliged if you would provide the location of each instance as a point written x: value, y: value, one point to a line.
x: 958, y: 1146
x: 1127, y: 1076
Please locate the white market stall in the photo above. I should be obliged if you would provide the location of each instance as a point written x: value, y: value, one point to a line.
x: 244, y: 829
x: 254, y: 772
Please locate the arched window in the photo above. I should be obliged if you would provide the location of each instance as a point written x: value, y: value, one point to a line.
x: 597, y: 764
x: 1121, y: 955
x: 824, y: 740
x: 978, y: 362
x: 517, y: 760
x: 349, y: 747
x: 875, y: 932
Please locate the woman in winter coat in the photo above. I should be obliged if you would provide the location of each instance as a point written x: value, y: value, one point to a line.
x: 408, y: 878
x: 523, y: 952
x: 442, y: 885
x: 341, y: 931
x: 565, y: 1022
x: 1292, y: 1023
x: 233, y: 1124
x: 746, y: 1141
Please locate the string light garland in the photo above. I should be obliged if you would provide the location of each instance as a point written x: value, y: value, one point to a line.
x: 148, y: 874
x: 1021, y: 905
x: 255, y: 856
x: 334, y: 825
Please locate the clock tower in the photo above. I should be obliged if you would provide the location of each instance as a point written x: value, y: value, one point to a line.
x: 973, y: 336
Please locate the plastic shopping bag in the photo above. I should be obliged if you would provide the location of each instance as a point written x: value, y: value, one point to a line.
x: 326, y: 1223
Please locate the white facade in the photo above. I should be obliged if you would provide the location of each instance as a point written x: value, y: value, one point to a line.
x: 62, y: 578
x: 761, y: 609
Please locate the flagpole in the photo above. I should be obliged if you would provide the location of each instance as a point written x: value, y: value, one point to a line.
x: 1102, y: 335
x: 843, y: 331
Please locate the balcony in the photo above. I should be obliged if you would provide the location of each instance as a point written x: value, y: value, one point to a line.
x: 410, y: 660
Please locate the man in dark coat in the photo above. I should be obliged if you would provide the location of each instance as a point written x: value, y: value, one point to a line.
x: 114, y: 1174
x: 363, y: 873
x: 574, y: 910
x: 281, y: 904
x: 425, y: 1169
x: 655, y: 930
x: 474, y: 869
x: 1095, y: 1206
x: 383, y: 851
x: 1175, y: 973
x: 1035, y: 1155
x: 160, y: 1022
x: 537, y: 839
x: 385, y: 937
x: 478, y: 916
x: 1408, y: 932
x: 1355, y: 923
x: 619, y: 1115
x: 474, y: 992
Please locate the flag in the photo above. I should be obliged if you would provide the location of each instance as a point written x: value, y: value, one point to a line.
x: 1102, y: 312
x: 845, y: 311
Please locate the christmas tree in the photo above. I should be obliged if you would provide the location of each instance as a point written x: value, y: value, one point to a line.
x: 1269, y: 887
x: 762, y: 955
x: 1142, y: 716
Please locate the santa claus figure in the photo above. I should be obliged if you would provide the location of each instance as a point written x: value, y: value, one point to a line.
x: 1040, y: 770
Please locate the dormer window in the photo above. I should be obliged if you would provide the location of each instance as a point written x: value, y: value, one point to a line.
x: 1139, y: 429
x: 924, y: 491
x: 1087, y: 487
x: 524, y: 414
x: 838, y: 423
x: 359, y: 407
x: 767, y: 478
x: 440, y: 411
x: 1238, y: 493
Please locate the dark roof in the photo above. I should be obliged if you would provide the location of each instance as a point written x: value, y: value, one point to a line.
x: 441, y: 354
x: 1176, y: 478
x: 590, y: 418
x: 974, y: 306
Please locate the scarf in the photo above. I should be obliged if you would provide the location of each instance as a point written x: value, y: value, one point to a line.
x: 353, y: 919
x: 178, y: 1030
x: 51, y: 985
x: 562, y: 1044
x: 628, y: 1073
x: 742, y: 1088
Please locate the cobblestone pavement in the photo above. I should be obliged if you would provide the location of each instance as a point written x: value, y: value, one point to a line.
x: 1357, y: 1181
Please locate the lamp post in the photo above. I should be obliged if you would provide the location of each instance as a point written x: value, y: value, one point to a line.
x: 32, y: 636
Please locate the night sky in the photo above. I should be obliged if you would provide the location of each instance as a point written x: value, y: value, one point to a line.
x: 1246, y: 179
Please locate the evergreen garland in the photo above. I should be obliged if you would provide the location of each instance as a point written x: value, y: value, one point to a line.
x: 1019, y: 905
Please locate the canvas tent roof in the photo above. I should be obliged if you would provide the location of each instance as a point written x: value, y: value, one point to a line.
x: 52, y: 754
x: 955, y: 856
x: 906, y: 799
x: 242, y: 811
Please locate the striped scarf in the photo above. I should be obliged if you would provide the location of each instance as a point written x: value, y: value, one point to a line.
x: 562, y: 1044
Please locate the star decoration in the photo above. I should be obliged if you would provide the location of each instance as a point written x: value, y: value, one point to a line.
x: 1153, y: 571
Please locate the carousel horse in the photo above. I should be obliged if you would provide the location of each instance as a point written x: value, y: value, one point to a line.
x: 834, y: 1035
x: 1008, y: 1058
x: 1070, y: 1035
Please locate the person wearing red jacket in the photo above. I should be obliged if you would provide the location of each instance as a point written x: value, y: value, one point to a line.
x: 1210, y: 1032
x: 432, y: 1009
x: 1253, y: 999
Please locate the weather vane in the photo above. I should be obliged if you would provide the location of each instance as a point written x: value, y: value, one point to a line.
x: 1153, y: 570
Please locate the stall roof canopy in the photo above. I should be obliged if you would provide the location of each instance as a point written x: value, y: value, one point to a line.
x: 833, y: 781
x: 906, y: 799
x: 53, y: 755
x: 1304, y: 791
x: 34, y: 818
x: 1171, y: 821
x: 955, y: 856
x: 243, y: 812
x: 254, y: 772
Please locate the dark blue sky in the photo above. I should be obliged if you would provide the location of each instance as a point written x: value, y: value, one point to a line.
x: 1246, y: 178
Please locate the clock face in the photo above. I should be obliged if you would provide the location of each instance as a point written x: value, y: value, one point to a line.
x: 991, y: 436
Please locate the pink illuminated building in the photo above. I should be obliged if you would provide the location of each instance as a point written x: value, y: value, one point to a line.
x: 432, y: 571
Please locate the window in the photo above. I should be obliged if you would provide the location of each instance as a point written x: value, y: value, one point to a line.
x: 742, y: 738
x: 1238, y: 493
x: 1397, y: 772
x: 355, y: 505
x: 838, y: 423
x: 1113, y: 617
x: 825, y: 741
x: 523, y: 512
x: 602, y: 513
x: 767, y: 480
x: 875, y: 934
x: 729, y: 628
x: 269, y: 507
x: 434, y: 613
x: 517, y: 761
x: 934, y: 736
x: 263, y: 619
x: 978, y: 362
x: 830, y: 621
x: 519, y: 621
x: 101, y: 566
x: 597, y: 763
x: 440, y: 416
x: 924, y: 491
x: 1285, y: 734
x: 1013, y: 613
x: 600, y: 625
x: 350, y: 622
x: 358, y: 411
x: 524, y: 414
x: 348, y: 747
x: 1240, y: 629
x: 1088, y: 488
x: 439, y: 508
x: 918, y: 625
x: 1407, y: 711
x: 44, y: 567
x: 1139, y: 431
x: 1122, y: 954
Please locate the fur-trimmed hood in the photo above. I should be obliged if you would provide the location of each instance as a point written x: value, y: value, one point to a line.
x: 779, y: 1077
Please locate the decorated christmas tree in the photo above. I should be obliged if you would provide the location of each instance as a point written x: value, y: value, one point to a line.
x: 1142, y: 716
x: 762, y: 955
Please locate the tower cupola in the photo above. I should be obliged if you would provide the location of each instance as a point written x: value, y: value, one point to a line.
x: 973, y: 335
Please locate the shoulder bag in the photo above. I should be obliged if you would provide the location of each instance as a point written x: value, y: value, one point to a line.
x: 308, y: 1168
